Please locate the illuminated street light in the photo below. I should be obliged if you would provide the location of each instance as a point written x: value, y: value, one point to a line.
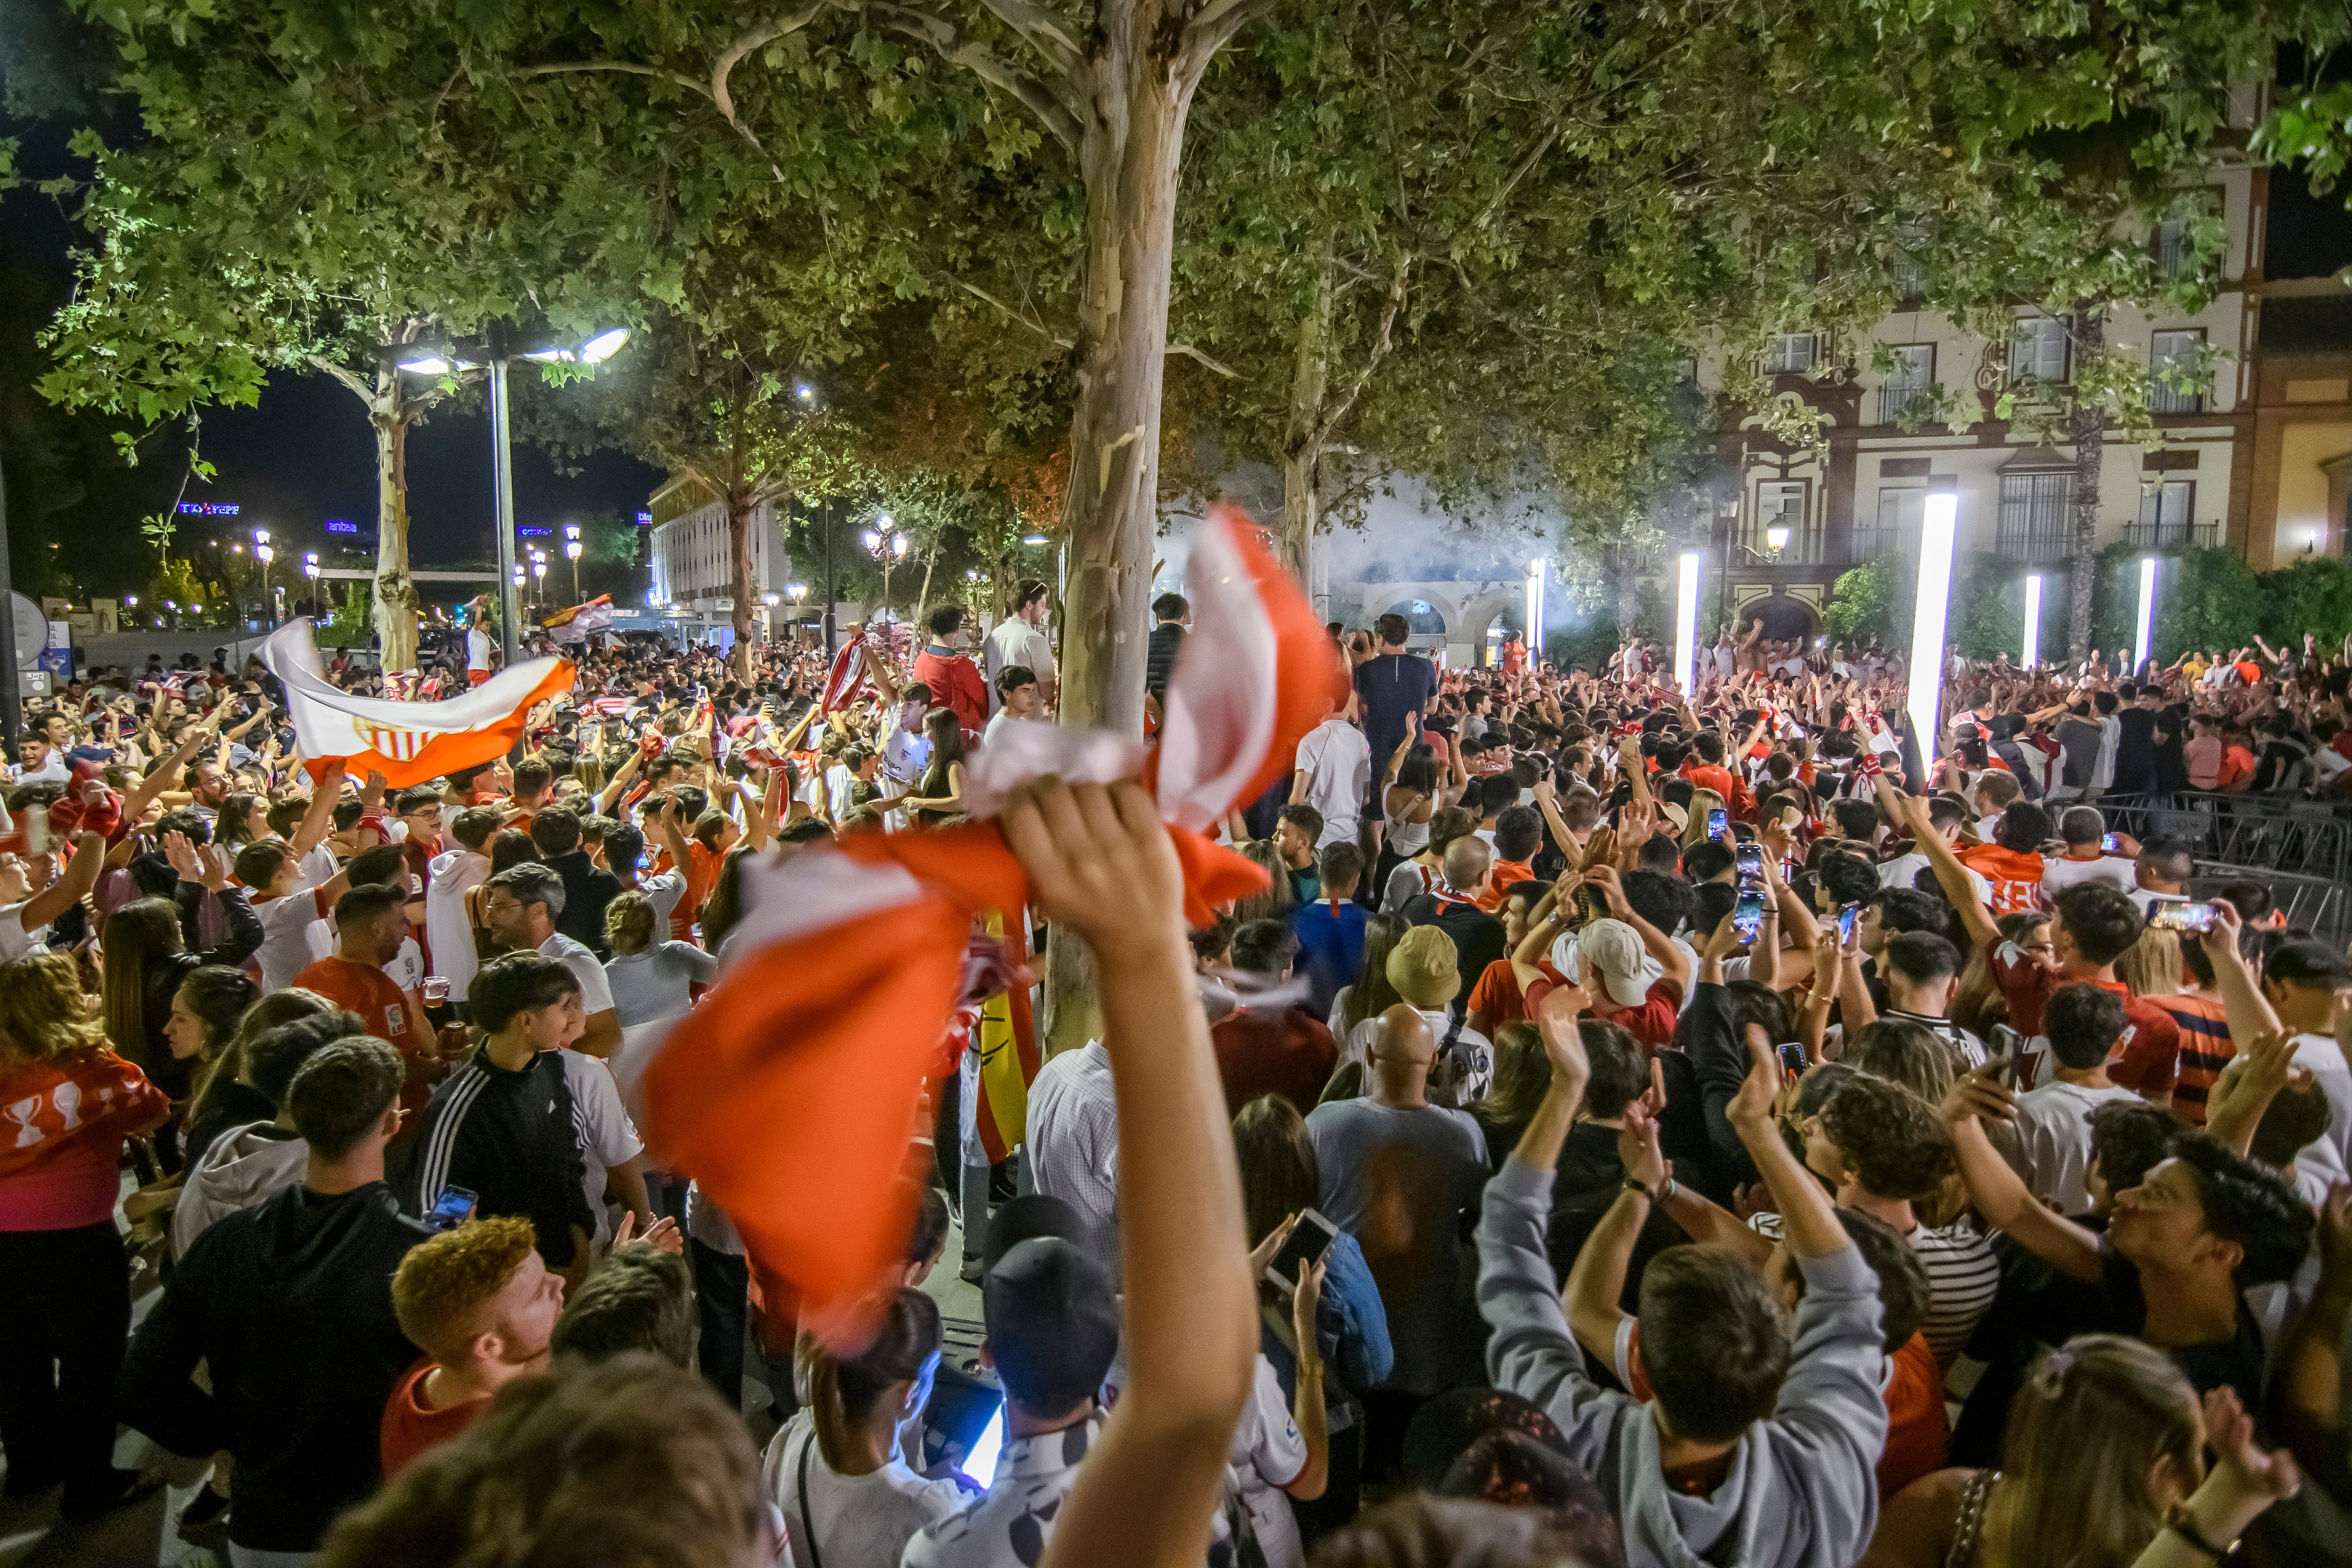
x: 1937, y: 529
x: 2033, y: 619
x: 798, y: 590
x: 1685, y: 617
x: 2144, y: 629
x: 1777, y: 537
x: 1034, y: 540
x: 494, y: 352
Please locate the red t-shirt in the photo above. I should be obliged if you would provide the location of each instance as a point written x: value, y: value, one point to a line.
x: 2237, y: 767
x: 370, y: 992
x: 2147, y: 1063
x: 408, y: 1430
x: 955, y: 682
x: 1708, y: 775
x: 1262, y: 1050
x: 1500, y: 877
x: 1917, y: 1430
x: 1497, y: 996
x: 1652, y: 1024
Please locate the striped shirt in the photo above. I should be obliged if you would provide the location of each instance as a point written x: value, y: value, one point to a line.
x: 1963, y: 1277
x: 2205, y: 1049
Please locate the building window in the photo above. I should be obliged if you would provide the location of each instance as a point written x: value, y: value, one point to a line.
x: 1910, y: 272
x: 1896, y: 530
x: 2037, y: 517
x: 2171, y: 357
x: 2167, y: 516
x: 2172, y: 252
x: 1791, y: 354
x: 1908, y: 383
x: 2039, y: 349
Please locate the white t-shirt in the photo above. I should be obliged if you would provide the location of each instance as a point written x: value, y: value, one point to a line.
x: 286, y: 924
x: 15, y: 940
x: 664, y: 889
x: 2058, y: 875
x: 860, y: 1519
x: 1014, y: 642
x: 595, y: 989
x: 2053, y: 1134
x: 1337, y: 762
x: 1904, y: 870
x: 1268, y: 1455
x: 601, y: 1127
x: 478, y: 649
x: 455, y: 873
x: 2325, y: 1060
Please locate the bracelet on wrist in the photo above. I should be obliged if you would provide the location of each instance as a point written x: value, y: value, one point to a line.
x: 2183, y: 1524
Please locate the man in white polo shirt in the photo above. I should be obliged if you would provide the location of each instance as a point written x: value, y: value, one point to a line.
x: 1020, y: 639
x: 1334, y: 770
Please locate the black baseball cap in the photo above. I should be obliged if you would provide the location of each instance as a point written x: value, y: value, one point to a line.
x: 1053, y: 1323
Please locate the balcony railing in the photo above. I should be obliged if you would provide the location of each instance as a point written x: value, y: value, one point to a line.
x: 2172, y: 536
x: 2162, y: 399
x: 1896, y: 398
x: 2035, y: 542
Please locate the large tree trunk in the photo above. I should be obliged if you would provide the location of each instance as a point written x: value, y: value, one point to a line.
x: 2090, y: 435
x: 740, y: 507
x: 395, y: 591
x: 1304, y: 432
x: 1128, y: 152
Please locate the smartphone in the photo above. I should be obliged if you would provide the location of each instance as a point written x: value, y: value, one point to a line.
x: 1309, y: 1239
x: 1747, y: 913
x: 2004, y: 1044
x: 2180, y: 914
x: 978, y: 1462
x: 453, y: 1207
x: 1792, y: 1059
x: 2110, y: 843
x: 1718, y: 822
x: 1846, y: 917
x: 1750, y: 860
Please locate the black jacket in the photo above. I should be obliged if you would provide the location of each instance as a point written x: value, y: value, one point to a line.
x: 586, y: 891
x: 1477, y: 935
x: 291, y: 1306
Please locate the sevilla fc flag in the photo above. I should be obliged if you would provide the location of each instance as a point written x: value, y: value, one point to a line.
x: 790, y: 1092
x: 408, y: 743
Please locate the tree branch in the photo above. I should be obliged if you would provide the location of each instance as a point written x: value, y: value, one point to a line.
x: 1044, y: 33
x: 1037, y: 326
x: 757, y: 36
x: 352, y: 382
x: 1213, y: 26
x: 1057, y: 116
x: 1397, y: 293
x: 1518, y: 172
x: 1195, y: 354
x: 629, y: 67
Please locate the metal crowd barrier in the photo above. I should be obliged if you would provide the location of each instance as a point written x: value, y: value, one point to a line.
x: 2316, y: 904
x: 2311, y: 839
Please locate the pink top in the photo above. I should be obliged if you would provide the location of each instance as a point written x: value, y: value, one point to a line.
x: 62, y: 1124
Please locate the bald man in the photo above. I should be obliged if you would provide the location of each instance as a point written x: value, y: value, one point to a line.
x: 1453, y: 907
x: 1396, y: 1173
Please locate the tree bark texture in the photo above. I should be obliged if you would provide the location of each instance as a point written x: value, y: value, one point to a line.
x: 2090, y: 435
x: 741, y: 504
x: 394, y: 590
x: 1305, y: 432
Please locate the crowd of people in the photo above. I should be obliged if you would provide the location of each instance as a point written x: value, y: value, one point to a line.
x: 1629, y: 1127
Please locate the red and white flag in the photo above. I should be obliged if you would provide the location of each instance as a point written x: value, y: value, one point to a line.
x: 849, y: 680
x: 791, y: 1097
x: 407, y: 742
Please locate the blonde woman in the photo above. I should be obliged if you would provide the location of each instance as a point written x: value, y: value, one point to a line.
x: 1702, y: 802
x: 653, y: 974
x: 68, y: 1103
x: 2105, y: 1451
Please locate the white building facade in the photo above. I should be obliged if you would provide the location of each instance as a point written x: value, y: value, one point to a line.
x: 693, y: 551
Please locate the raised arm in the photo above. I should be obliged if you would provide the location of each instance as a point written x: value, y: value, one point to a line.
x: 72, y: 886
x: 2001, y: 1196
x: 318, y: 820
x: 1676, y: 964
x: 2249, y: 1012
x: 1953, y: 877
x: 1100, y: 862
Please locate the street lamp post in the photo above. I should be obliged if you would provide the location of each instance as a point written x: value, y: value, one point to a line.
x: 1937, y: 529
x: 538, y: 577
x: 493, y: 352
x: 572, y: 547
x: 310, y: 570
x: 885, y: 546
x: 263, y: 553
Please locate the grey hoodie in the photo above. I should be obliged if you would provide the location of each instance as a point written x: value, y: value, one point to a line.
x: 1802, y: 1492
x: 243, y: 1165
